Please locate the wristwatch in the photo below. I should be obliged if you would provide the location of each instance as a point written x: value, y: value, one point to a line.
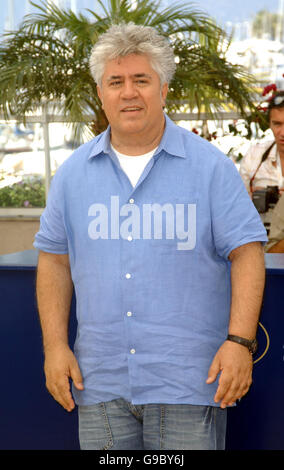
x: 250, y: 344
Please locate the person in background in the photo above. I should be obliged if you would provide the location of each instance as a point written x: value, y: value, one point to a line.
x: 167, y: 313
x: 263, y: 165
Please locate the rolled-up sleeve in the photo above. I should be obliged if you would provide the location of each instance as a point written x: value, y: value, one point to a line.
x: 235, y: 220
x: 52, y: 236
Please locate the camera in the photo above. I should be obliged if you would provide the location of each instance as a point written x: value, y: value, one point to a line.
x: 264, y: 198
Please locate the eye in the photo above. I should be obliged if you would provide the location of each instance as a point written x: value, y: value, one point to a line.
x: 141, y: 81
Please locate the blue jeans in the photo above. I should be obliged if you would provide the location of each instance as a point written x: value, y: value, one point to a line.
x: 119, y: 425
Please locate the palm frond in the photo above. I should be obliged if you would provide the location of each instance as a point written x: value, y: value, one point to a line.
x: 46, y: 60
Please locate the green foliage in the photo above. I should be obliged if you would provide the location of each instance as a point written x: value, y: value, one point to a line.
x: 268, y: 23
x: 30, y: 192
x: 46, y: 60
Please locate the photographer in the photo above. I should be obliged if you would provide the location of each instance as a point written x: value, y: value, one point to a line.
x: 263, y: 165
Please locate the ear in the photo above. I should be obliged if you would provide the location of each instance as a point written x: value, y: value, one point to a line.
x: 164, y: 92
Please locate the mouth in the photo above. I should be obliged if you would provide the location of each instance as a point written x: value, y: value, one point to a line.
x: 131, y: 109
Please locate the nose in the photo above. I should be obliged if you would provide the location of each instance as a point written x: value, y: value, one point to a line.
x: 129, y: 90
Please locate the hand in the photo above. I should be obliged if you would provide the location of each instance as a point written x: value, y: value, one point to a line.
x: 60, y: 365
x: 234, y: 361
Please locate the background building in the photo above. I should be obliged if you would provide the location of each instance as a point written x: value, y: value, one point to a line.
x: 238, y: 18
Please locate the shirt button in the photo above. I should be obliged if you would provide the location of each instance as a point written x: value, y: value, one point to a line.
x: 130, y: 238
x: 132, y: 351
x: 129, y: 314
x: 131, y: 201
x: 128, y: 276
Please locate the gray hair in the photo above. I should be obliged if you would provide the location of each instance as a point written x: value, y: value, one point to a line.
x: 128, y: 38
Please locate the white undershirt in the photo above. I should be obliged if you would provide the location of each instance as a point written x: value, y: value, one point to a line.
x: 134, y: 165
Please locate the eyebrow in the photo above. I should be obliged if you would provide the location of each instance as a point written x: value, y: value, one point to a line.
x: 136, y: 75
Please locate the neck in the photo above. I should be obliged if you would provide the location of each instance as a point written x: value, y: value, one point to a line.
x: 137, y: 144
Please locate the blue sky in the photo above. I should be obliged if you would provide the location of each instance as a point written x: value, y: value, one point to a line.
x: 221, y: 10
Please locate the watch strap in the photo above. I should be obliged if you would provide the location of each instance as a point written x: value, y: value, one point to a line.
x: 250, y: 344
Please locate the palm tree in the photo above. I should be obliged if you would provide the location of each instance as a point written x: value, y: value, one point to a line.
x: 46, y: 61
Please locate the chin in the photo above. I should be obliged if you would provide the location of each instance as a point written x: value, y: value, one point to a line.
x: 132, y: 127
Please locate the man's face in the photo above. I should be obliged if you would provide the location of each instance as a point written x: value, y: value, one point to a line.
x: 132, y: 97
x: 277, y: 126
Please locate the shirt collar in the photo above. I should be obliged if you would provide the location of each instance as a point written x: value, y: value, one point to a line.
x: 101, y: 144
x: 171, y: 142
x: 274, y: 154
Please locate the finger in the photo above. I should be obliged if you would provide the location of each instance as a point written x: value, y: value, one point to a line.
x: 76, y: 376
x: 64, y: 393
x: 244, y: 390
x: 213, y: 371
x: 236, y: 391
x: 60, y: 390
x: 232, y: 394
x: 65, y: 400
x: 223, y: 387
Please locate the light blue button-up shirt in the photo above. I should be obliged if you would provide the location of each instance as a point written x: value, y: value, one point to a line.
x: 149, y: 264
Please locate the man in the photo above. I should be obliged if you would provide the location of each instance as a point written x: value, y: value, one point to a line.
x: 263, y: 165
x: 147, y: 221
